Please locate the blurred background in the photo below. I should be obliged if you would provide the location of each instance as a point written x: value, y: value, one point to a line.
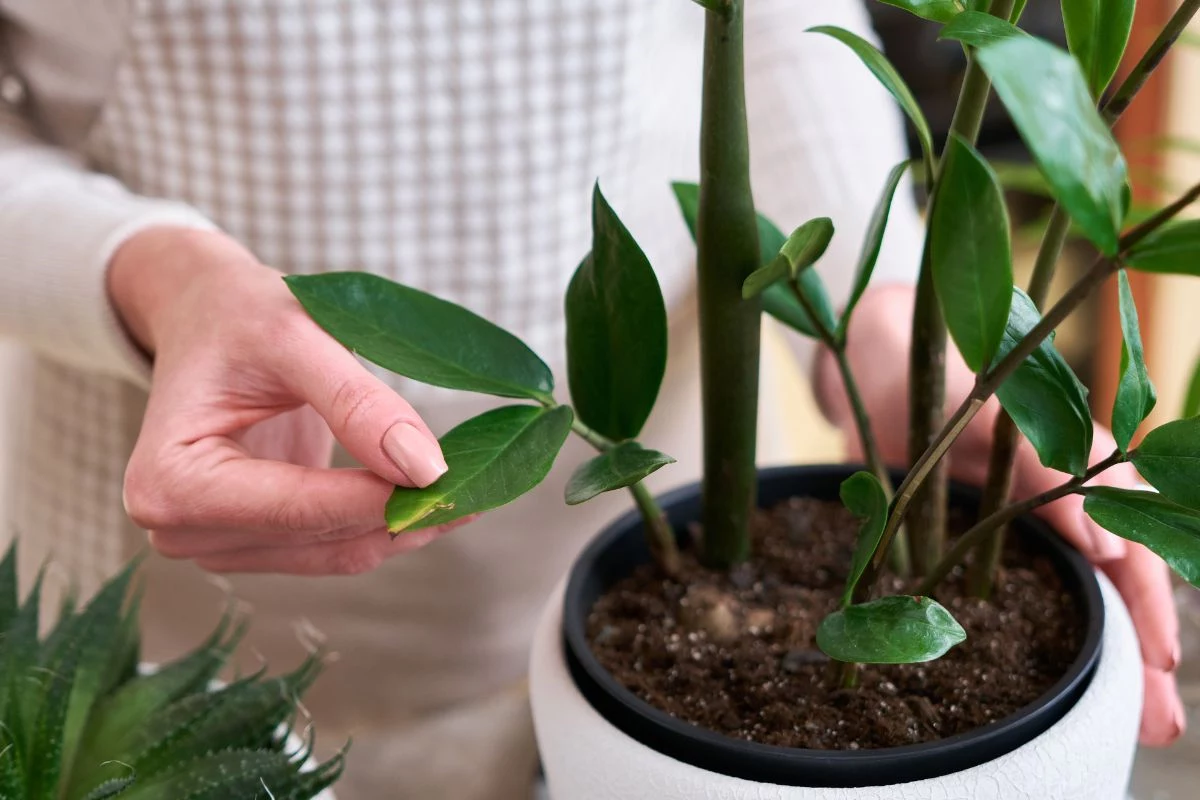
x: 1161, y: 137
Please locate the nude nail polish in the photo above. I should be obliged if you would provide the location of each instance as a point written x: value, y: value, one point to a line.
x: 414, y: 453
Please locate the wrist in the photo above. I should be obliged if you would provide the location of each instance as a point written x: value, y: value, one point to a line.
x: 151, y: 272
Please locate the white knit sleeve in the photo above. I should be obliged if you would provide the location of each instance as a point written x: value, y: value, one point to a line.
x: 822, y: 121
x: 59, y: 226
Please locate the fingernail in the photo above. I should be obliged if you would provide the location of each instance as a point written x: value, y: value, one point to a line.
x: 413, y: 452
x: 1105, y: 546
x: 1175, y: 658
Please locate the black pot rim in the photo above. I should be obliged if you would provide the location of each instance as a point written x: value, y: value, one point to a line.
x: 803, y: 767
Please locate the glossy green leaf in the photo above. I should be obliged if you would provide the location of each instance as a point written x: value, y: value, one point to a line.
x: 1097, y: 31
x: 622, y: 466
x: 801, y: 250
x: 1044, y: 397
x: 1046, y: 96
x: 616, y: 330
x: 977, y: 28
x: 1173, y: 249
x: 1169, y: 530
x: 891, y: 80
x: 421, y: 337
x: 1169, y: 459
x: 1191, y: 401
x: 494, y: 458
x: 936, y: 10
x: 891, y: 630
x: 866, y: 499
x: 778, y: 300
x: 872, y: 243
x: 971, y: 253
x: 1135, y: 397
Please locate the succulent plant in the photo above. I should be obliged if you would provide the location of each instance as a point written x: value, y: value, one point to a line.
x: 81, y: 719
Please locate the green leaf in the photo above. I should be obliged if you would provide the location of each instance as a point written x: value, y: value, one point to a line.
x: 977, y: 28
x: 1191, y: 402
x: 891, y: 630
x: 1135, y: 397
x: 9, y: 602
x: 864, y: 496
x: 494, y: 458
x: 111, y: 788
x: 971, y: 253
x: 936, y: 10
x: 1046, y: 96
x: 1173, y: 249
x: 622, y: 466
x: 1043, y: 396
x: 778, y: 300
x: 891, y: 80
x: 421, y: 337
x: 801, y: 250
x: 1169, y: 459
x: 1097, y: 31
x: 872, y: 242
x: 616, y: 330
x: 1171, y: 531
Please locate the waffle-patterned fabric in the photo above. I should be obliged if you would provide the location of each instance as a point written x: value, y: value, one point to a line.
x: 450, y: 145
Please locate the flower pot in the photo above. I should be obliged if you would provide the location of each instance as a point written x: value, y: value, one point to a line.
x: 599, y: 741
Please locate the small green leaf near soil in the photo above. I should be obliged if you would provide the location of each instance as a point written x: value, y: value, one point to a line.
x: 735, y: 652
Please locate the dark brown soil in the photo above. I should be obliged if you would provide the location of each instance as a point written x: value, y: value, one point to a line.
x: 735, y: 652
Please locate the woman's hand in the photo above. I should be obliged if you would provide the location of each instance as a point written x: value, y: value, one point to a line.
x: 877, y: 347
x: 231, y: 465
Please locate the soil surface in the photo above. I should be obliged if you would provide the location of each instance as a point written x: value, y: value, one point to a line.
x: 735, y: 652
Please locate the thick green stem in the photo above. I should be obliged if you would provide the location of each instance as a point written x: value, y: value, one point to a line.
x: 986, y: 527
x: 926, y: 520
x: 981, y: 573
x: 727, y: 251
x: 660, y: 537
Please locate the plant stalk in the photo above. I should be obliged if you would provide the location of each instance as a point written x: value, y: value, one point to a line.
x: 1153, y: 56
x: 727, y: 252
x: 988, y: 525
x: 927, y: 360
x: 981, y: 573
x: 987, y: 383
x: 901, y: 562
x: 660, y: 537
x: 982, y: 570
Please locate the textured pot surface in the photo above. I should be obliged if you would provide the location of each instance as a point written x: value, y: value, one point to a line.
x: 1087, y: 753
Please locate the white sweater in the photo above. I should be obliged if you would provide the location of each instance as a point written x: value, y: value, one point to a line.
x: 450, y: 145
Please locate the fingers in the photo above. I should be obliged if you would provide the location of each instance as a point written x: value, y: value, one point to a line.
x: 1145, y: 584
x: 1163, y: 717
x: 376, y: 425
x: 351, y: 557
x: 212, y: 486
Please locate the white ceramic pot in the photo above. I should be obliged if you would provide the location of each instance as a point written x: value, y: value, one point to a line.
x: 1087, y: 755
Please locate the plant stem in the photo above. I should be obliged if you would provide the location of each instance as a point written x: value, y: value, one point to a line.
x: 986, y: 526
x: 987, y: 383
x: 927, y: 360
x: 660, y: 537
x: 981, y: 573
x: 982, y: 570
x: 862, y: 422
x: 1153, y: 56
x: 727, y: 251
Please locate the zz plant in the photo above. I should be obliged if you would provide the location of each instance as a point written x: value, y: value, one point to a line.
x: 1064, y: 105
x: 79, y: 721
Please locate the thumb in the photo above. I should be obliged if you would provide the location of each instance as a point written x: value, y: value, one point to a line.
x: 376, y: 425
